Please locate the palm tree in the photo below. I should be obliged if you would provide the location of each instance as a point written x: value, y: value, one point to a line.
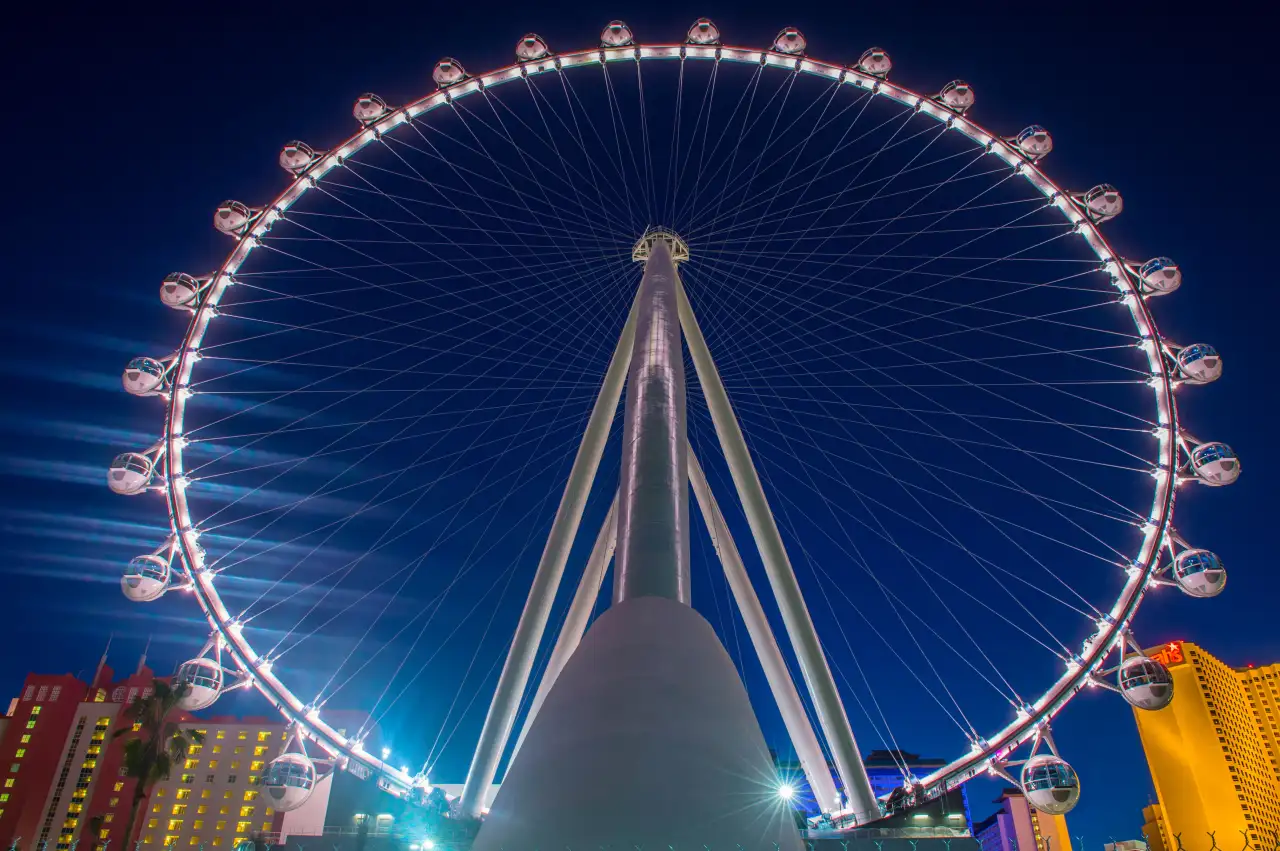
x: 157, y: 745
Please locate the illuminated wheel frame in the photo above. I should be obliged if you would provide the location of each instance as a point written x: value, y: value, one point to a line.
x: 1177, y: 451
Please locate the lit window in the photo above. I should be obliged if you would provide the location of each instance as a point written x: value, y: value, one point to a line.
x: 198, y: 824
x: 155, y: 822
x: 217, y: 840
x: 35, y: 710
x: 222, y: 734
x: 204, y: 793
x: 260, y: 750
x: 227, y: 794
x: 242, y: 735
x: 174, y: 824
x: 239, y: 749
x: 222, y: 811
x: 4, y: 797
x: 161, y: 792
x: 243, y: 827
x: 220, y: 825
x: 235, y: 763
x: 19, y: 753
x: 213, y: 763
x: 202, y: 809
x: 251, y: 795
x: 26, y: 737
x: 31, y: 725
x: 104, y: 833
x: 179, y: 809
x: 170, y: 839
x: 256, y: 765
x: 8, y: 784
x: 264, y: 736
x: 183, y: 794
x: 108, y: 818
x: 266, y: 826
x: 217, y: 748
x: 245, y: 812
x: 191, y: 763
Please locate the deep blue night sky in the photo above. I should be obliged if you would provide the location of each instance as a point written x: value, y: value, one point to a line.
x: 129, y: 129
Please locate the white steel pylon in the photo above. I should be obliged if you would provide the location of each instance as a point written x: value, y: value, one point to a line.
x: 575, y: 622
x: 806, y: 745
x: 782, y: 578
x: 546, y: 581
x: 818, y: 681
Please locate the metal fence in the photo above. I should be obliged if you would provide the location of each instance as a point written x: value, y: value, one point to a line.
x: 1220, y: 841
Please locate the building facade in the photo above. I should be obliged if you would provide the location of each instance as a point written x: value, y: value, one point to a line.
x: 62, y: 771
x: 1017, y: 826
x: 1153, y: 829
x: 214, y: 799
x: 1212, y: 752
x: 63, y: 779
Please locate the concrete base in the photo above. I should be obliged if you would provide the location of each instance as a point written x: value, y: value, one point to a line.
x: 647, y: 739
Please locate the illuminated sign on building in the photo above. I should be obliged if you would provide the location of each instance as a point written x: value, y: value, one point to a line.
x: 1169, y: 654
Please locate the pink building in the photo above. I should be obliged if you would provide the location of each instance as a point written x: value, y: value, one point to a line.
x: 1018, y: 827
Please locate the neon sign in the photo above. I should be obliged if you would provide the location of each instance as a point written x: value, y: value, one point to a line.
x: 1168, y: 654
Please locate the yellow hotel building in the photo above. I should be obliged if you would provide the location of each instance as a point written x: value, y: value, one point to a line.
x: 1213, y: 750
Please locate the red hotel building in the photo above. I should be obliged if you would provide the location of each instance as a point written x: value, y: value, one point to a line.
x: 61, y: 779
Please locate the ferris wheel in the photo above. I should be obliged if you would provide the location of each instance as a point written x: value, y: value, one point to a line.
x: 935, y: 392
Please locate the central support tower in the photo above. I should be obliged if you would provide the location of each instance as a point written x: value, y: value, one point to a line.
x: 652, y: 556
x: 647, y: 738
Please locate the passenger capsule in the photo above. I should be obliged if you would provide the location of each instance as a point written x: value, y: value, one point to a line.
x: 179, y: 291
x: 790, y: 42
x: 130, y: 473
x: 703, y: 31
x: 144, y: 376
x: 297, y: 157
x: 203, y: 678
x: 1103, y: 202
x: 1199, y: 363
x: 289, y: 780
x: 1215, y: 463
x: 1145, y: 683
x: 531, y: 48
x: 1160, y: 276
x: 145, y: 578
x: 875, y: 62
x: 369, y: 108
x: 232, y: 218
x: 1050, y: 784
x: 617, y: 34
x: 1199, y: 573
x: 448, y: 72
x: 957, y: 95
x: 1034, y: 142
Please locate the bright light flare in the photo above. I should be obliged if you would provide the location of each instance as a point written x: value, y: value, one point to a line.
x: 786, y: 791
